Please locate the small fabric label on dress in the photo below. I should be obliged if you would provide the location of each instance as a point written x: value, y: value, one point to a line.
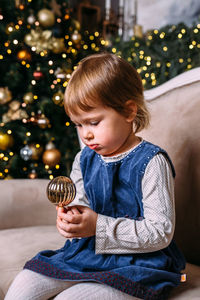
x: 183, y: 277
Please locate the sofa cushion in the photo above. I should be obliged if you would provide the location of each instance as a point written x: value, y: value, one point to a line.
x: 20, y: 245
x: 24, y: 203
x: 175, y: 126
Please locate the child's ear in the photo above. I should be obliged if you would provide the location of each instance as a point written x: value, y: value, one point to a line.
x: 131, y: 110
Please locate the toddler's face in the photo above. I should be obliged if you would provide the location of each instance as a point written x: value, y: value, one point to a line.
x: 104, y: 130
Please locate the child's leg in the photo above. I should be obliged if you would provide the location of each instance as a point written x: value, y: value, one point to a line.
x: 29, y: 285
x: 93, y: 291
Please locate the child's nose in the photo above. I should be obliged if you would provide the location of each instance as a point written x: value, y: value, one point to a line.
x: 88, y: 135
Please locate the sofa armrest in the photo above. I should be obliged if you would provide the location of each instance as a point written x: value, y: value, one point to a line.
x: 23, y: 202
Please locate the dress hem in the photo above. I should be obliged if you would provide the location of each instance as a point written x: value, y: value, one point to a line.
x: 110, y: 278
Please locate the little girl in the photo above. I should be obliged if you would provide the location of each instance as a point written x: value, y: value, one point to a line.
x: 122, y: 220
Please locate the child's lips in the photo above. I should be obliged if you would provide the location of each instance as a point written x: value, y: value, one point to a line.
x: 93, y: 146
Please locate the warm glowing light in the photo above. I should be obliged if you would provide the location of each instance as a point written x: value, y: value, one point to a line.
x: 162, y: 35
x: 143, y: 81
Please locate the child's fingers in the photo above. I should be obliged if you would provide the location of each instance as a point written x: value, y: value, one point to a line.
x: 70, y: 217
x: 60, y: 209
x: 67, y: 227
x: 75, y: 210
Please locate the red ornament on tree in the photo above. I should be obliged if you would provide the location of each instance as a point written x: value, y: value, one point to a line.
x: 38, y: 74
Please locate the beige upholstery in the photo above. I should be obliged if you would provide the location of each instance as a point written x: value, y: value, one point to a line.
x: 27, y: 218
x: 175, y: 126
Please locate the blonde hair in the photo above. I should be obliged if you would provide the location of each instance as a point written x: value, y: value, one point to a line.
x: 108, y: 80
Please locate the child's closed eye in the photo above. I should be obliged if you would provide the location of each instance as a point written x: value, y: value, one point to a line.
x: 94, y: 123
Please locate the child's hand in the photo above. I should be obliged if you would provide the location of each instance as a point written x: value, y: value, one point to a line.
x: 76, y: 221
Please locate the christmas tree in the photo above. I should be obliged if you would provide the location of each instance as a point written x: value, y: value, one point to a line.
x: 41, y: 44
x: 161, y: 54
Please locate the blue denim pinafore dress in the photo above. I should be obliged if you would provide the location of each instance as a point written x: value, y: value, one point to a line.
x: 114, y: 189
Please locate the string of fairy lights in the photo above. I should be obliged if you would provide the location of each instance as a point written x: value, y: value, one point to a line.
x: 158, y: 56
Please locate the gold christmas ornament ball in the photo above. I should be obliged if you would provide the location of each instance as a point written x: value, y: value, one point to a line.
x: 51, y: 157
x: 6, y: 141
x: 5, y: 95
x: 36, y: 151
x: 58, y: 98
x: 46, y: 17
x: 42, y: 121
x: 24, y: 55
x: 10, y: 28
x: 61, y: 191
x: 76, y: 37
x: 28, y: 98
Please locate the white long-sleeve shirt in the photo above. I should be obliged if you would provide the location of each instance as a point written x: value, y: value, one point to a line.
x: 122, y: 235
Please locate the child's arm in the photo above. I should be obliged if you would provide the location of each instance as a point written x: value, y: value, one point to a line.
x: 155, y: 231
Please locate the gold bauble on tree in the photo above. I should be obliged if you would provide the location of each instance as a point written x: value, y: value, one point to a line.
x: 6, y: 141
x: 42, y: 121
x: 46, y: 17
x: 10, y: 28
x: 24, y: 54
x: 76, y: 37
x: 58, y: 98
x: 28, y: 98
x: 36, y: 151
x: 51, y: 157
x: 5, y: 95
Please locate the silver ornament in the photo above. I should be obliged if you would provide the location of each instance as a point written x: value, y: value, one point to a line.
x: 26, y: 153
